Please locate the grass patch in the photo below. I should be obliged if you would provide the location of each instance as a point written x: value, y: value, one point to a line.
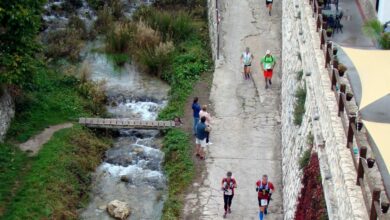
x: 299, y: 107
x: 179, y: 169
x: 58, y: 179
x: 12, y: 162
x: 53, y: 99
x: 119, y: 59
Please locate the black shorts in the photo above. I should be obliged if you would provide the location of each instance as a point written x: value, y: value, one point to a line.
x: 247, y: 65
x: 267, y: 3
x: 259, y: 201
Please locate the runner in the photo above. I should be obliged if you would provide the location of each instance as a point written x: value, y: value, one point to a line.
x: 246, y: 59
x: 228, y: 185
x: 265, y: 189
x: 268, y: 4
x: 201, y: 138
x: 196, y: 110
x: 267, y: 64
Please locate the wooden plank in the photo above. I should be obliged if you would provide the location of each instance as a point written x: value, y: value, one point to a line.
x: 137, y: 123
x: 94, y: 121
x: 160, y: 123
x: 81, y: 120
x: 112, y: 121
x: 167, y: 123
x: 173, y: 124
x: 88, y: 121
x: 106, y: 121
x: 119, y: 121
x: 100, y: 121
x: 131, y: 123
x: 155, y: 123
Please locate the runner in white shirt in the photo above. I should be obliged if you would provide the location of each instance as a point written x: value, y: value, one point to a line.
x: 246, y: 60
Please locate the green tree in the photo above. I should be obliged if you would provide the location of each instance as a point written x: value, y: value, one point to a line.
x: 19, y: 24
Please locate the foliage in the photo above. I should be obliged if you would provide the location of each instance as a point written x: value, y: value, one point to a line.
x: 62, y: 167
x: 179, y: 169
x: 12, y: 162
x: 384, y: 41
x: 311, y: 202
x: 155, y: 60
x: 52, y: 100
x: 176, y: 25
x: 19, y: 24
x: 183, y: 3
x: 104, y: 20
x: 305, y: 159
x: 299, y: 75
x: 119, y: 38
x: 373, y: 29
x: 65, y: 43
x: 299, y: 106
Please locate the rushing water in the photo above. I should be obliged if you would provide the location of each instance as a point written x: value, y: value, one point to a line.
x: 131, y: 171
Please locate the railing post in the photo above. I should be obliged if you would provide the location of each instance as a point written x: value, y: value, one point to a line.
x: 328, y: 47
x: 375, y: 198
x: 360, y: 172
x: 350, y: 130
x: 341, y: 100
x: 333, y: 80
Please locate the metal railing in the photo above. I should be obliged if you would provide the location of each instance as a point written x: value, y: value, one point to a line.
x: 375, y: 208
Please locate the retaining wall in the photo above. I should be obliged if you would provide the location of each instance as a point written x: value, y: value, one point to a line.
x: 301, y: 52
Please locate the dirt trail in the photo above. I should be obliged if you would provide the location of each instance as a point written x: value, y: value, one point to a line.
x: 34, y: 144
x: 246, y: 128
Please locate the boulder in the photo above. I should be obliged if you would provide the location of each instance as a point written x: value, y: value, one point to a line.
x: 118, y: 209
x: 125, y: 178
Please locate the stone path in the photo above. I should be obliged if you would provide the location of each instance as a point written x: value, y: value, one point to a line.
x: 246, y: 128
x: 34, y: 144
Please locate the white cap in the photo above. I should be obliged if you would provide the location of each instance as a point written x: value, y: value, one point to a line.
x: 268, y: 52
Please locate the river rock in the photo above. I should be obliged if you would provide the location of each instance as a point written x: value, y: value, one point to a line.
x: 138, y: 150
x: 118, y: 209
x: 125, y: 178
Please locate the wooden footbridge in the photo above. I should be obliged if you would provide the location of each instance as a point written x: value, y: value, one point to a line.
x: 127, y: 123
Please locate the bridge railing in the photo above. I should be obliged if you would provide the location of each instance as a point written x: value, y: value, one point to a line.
x: 376, y: 206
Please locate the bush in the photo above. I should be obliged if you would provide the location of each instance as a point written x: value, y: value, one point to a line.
x: 177, y: 25
x: 384, y: 41
x: 119, y: 38
x: 64, y: 44
x: 76, y: 23
x: 155, y: 60
x: 305, y: 159
x: 299, y: 107
x: 146, y: 37
x: 299, y: 75
x: 104, y: 20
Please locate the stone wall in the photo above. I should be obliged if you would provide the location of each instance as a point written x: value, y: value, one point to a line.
x: 301, y: 52
x: 212, y: 13
x: 6, y: 112
x: 368, y: 7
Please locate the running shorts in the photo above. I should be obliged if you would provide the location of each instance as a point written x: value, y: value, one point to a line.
x: 201, y: 142
x: 268, y: 73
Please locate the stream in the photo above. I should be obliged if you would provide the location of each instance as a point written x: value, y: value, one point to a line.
x: 132, y: 169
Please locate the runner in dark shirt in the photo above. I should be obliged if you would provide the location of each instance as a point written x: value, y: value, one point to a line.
x: 196, y: 109
x: 228, y: 185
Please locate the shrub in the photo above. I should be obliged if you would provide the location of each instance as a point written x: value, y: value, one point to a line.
x: 119, y: 38
x: 146, y: 37
x: 299, y: 75
x: 104, y: 20
x: 373, y: 29
x: 384, y: 41
x: 176, y: 25
x: 305, y: 158
x: 299, y: 107
x: 155, y: 60
x: 76, y: 23
x: 64, y: 44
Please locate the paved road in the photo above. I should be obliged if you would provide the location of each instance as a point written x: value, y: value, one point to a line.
x: 246, y: 129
